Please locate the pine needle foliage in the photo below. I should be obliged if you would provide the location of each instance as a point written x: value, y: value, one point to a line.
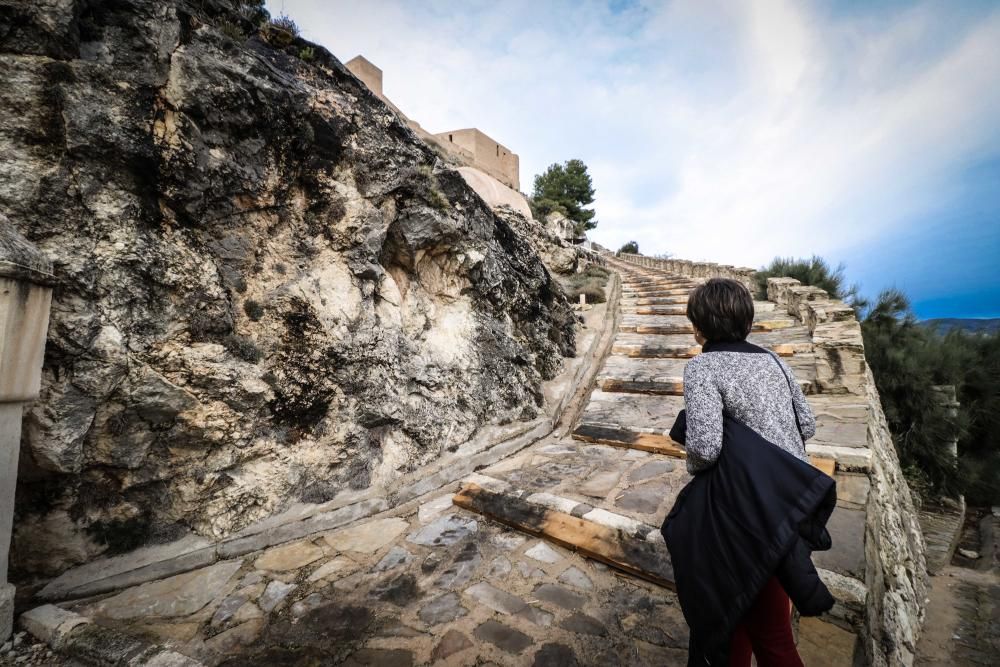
x: 568, y: 189
x: 814, y: 271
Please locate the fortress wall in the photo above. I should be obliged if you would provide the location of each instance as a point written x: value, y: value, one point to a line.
x: 877, y: 568
x: 490, y: 156
x: 469, y: 147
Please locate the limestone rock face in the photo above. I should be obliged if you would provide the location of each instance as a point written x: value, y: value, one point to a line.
x: 269, y: 290
x: 559, y: 256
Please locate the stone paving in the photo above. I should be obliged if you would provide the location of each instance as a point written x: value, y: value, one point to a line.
x: 430, y: 583
x: 962, y: 628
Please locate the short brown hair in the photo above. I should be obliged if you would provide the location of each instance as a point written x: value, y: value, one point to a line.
x: 721, y: 309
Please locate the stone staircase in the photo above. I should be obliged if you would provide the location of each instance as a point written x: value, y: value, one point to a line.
x: 604, y: 490
x: 419, y: 577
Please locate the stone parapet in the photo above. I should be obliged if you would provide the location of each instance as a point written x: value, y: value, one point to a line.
x: 836, y: 334
x: 698, y: 270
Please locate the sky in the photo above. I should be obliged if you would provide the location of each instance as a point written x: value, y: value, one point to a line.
x: 729, y: 131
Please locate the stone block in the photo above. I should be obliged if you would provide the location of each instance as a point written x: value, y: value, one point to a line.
x: 847, y: 458
x: 847, y: 557
x: 50, y: 623
x: 852, y: 489
x: 823, y: 644
x: 367, y: 537
x: 288, y: 557
x: 166, y: 659
x: 503, y: 637
x: 6, y: 611
x: 180, y: 595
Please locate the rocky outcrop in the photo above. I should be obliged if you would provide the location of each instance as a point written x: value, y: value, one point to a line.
x: 559, y: 256
x: 269, y: 288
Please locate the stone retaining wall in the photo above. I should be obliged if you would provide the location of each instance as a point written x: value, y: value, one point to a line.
x: 877, y: 569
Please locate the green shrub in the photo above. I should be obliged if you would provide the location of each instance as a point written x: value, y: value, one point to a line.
x: 815, y: 272
x: 590, y: 281
x: 631, y: 248
x: 281, y: 31
x: 594, y: 294
x: 596, y: 271
x: 233, y: 31
x: 307, y: 53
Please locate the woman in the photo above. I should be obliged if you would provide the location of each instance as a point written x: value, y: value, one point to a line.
x: 735, y: 380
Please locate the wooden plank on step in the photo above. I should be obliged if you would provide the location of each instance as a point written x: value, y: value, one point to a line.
x: 656, y: 352
x: 655, y: 387
x: 616, y: 437
x: 639, y: 557
x: 826, y: 465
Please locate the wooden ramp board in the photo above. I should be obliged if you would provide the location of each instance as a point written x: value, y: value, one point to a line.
x: 648, y: 560
x: 618, y: 437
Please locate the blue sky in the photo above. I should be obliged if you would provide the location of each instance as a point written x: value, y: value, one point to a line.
x: 867, y: 133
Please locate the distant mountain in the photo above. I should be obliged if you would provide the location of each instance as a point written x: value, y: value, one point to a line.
x: 972, y: 325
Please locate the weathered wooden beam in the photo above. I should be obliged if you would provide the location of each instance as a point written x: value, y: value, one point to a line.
x: 655, y: 310
x: 826, y: 465
x: 617, y: 437
x: 668, y: 387
x: 656, y: 352
x: 641, y: 558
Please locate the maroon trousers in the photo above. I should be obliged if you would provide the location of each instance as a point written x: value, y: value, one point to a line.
x: 766, y: 631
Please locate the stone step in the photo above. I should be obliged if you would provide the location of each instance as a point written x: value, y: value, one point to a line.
x: 626, y: 544
x: 655, y: 324
x: 841, y: 419
x: 661, y: 284
x: 648, y: 347
x: 642, y: 376
x: 656, y: 443
x: 655, y: 301
x: 675, y: 324
x: 654, y: 291
x: 658, y: 309
x: 637, y: 413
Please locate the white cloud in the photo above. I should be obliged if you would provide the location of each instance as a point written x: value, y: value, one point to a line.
x: 713, y: 130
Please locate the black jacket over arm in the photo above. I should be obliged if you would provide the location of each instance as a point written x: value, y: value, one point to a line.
x: 759, y: 512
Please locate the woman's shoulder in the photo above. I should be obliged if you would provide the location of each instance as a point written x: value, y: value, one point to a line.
x: 704, y: 363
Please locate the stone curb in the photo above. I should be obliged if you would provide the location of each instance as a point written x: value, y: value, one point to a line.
x: 191, y: 553
x: 78, y: 637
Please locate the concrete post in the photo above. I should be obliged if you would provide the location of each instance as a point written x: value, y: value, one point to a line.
x: 946, y: 397
x: 25, y: 295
